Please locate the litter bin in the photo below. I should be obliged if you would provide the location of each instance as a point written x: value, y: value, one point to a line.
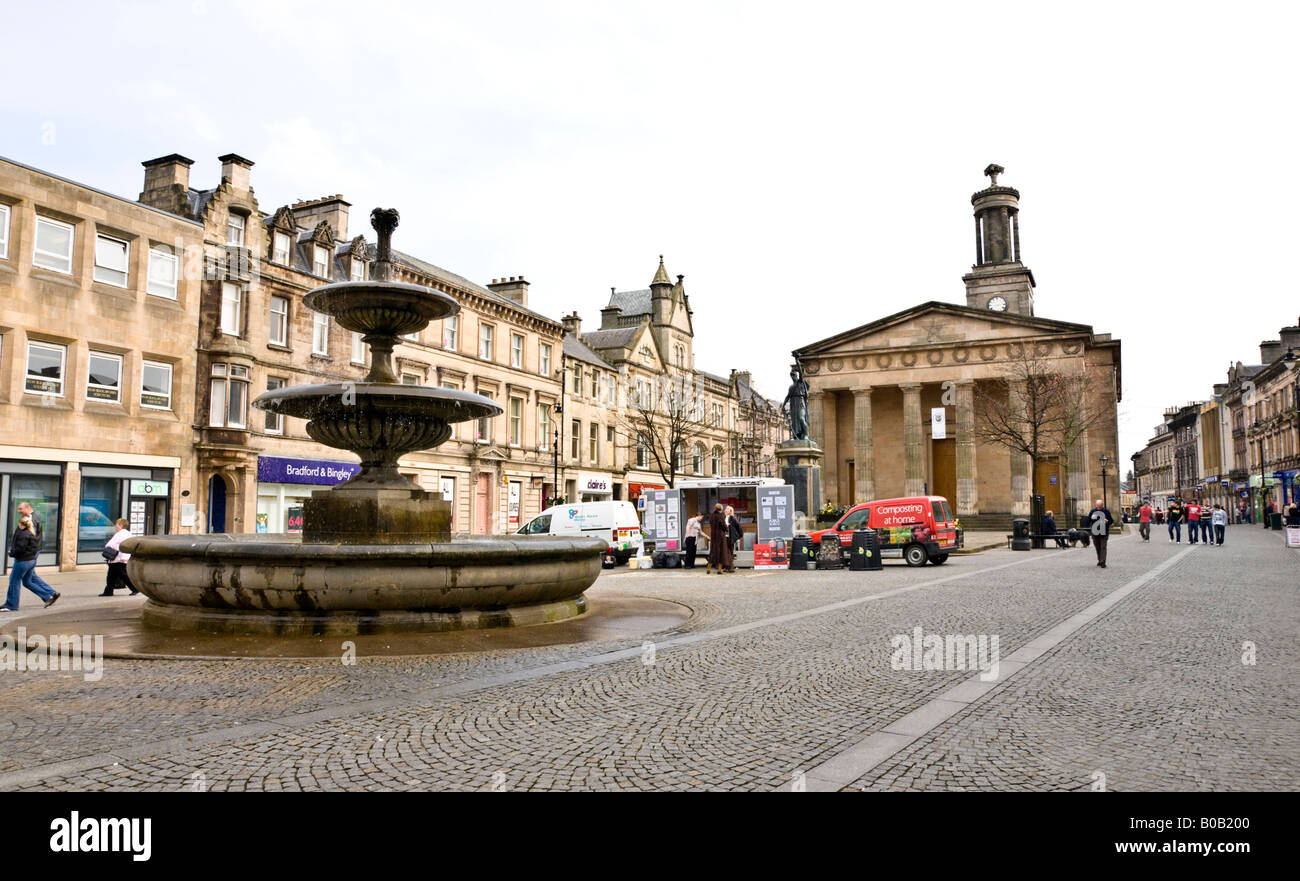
x: 1020, y: 540
x: 828, y: 553
x: 800, y: 552
x: 1275, y: 521
x: 865, y: 551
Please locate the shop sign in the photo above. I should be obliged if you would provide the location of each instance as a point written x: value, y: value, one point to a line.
x: 513, y: 505
x: 593, y: 484
x: 150, y: 488
x: 293, y: 519
x: 280, y: 469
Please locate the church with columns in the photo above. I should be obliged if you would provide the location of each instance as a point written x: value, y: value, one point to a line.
x: 874, y: 391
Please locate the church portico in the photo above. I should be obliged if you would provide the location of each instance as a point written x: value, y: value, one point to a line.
x: 875, y: 391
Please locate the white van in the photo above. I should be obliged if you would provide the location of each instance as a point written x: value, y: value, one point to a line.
x: 616, y: 522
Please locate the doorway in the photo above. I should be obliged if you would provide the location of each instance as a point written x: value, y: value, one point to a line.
x: 944, y: 468
x: 1048, y: 481
x: 483, y: 504
x: 216, y: 504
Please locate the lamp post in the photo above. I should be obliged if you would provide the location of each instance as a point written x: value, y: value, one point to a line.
x: 1104, y: 459
x: 1292, y: 363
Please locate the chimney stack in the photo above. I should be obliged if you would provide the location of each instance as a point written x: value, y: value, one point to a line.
x: 611, y: 316
x: 332, y: 209
x: 235, y: 168
x: 167, y: 183
x: 1270, y: 351
x: 1291, y: 339
x: 512, y: 288
x: 572, y: 324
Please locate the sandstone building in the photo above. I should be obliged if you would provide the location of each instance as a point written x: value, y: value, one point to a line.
x: 872, y: 389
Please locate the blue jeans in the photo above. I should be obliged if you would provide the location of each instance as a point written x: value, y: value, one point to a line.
x: 1206, y: 526
x: 1176, y: 531
x: 24, y: 573
x: 1191, y: 530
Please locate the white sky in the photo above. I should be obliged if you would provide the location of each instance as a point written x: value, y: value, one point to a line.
x: 808, y: 167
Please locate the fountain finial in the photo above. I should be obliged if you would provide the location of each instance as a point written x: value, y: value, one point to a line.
x: 384, y: 220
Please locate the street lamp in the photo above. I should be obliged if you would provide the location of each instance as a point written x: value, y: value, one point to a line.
x: 1104, y: 459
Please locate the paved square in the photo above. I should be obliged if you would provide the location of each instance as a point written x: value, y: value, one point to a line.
x: 1131, y: 677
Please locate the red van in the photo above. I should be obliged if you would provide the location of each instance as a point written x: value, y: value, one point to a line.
x: 918, y: 529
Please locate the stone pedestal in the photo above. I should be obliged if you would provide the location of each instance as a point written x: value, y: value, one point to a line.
x: 375, y: 515
x: 801, y: 468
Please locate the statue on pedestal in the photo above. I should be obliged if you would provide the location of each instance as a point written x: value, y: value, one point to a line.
x: 795, y: 405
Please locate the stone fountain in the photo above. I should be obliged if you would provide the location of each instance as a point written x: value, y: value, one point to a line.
x: 376, y: 553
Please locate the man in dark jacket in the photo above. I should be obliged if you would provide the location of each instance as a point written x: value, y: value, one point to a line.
x: 1049, y: 528
x: 1101, y: 520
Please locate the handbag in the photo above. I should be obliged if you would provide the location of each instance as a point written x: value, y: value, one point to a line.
x: 109, y: 554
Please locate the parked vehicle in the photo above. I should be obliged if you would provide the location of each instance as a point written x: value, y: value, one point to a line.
x: 918, y: 529
x: 616, y: 522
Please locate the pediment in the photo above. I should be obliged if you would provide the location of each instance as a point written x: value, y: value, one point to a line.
x: 937, y: 324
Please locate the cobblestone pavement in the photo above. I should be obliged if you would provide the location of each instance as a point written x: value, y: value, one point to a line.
x: 776, y: 674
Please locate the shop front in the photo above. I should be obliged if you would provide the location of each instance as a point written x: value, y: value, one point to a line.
x: 39, y: 484
x: 595, y: 487
x: 284, y: 483
x: 1262, y: 491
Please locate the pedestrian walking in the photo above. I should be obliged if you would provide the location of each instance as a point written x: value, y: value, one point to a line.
x: 117, y: 576
x: 694, y: 527
x: 1192, y: 514
x: 1174, y: 517
x: 1160, y: 516
x: 1100, y: 529
x: 1144, y: 520
x: 735, y: 533
x: 1207, y: 526
x: 25, y: 509
x: 1220, y: 518
x: 720, y: 557
x: 25, y: 547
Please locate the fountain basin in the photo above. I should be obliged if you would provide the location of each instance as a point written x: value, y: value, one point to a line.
x: 279, y: 585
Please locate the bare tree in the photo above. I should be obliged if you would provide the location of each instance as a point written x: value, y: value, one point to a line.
x: 1037, y: 409
x: 662, y: 417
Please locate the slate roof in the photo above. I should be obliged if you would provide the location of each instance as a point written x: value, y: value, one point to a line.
x: 460, y: 281
x: 613, y: 338
x: 578, y: 350
x: 631, y: 302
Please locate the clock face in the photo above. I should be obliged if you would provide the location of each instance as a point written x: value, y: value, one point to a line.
x: 998, y: 304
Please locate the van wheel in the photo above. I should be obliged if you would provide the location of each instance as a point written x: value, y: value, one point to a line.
x: 915, y: 555
x: 939, y: 559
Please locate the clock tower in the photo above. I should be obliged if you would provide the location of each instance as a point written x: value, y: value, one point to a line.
x: 998, y: 280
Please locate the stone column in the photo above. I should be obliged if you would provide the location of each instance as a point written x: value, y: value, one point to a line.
x: 1019, y: 462
x: 863, y: 453
x: 979, y: 243
x: 816, y: 418
x: 1015, y: 226
x: 967, y: 501
x: 913, y: 433
x: 69, y: 522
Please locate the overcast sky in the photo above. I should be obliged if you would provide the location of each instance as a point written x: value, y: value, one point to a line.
x: 808, y: 167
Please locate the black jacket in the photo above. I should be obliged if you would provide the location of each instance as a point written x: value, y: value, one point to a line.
x: 1049, y: 525
x: 25, y: 546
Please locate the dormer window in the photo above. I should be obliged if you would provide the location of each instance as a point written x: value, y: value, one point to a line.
x: 321, y: 262
x: 280, y: 248
x: 235, y: 224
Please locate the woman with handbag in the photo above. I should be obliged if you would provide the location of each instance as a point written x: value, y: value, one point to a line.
x: 25, y: 547
x: 735, y: 535
x: 117, y: 560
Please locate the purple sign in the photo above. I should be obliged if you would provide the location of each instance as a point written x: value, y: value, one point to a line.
x: 277, y: 469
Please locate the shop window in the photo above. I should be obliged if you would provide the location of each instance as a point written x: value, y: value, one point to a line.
x: 101, y: 505
x: 279, y: 330
x: 228, y: 405
x: 42, y: 493
x: 104, y: 382
x: 112, y: 257
x: 156, y: 385
x: 53, y: 245
x: 46, y: 363
x: 274, y: 421
x: 162, y: 272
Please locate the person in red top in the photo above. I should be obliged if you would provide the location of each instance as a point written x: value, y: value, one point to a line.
x: 1193, y: 511
x: 1144, y: 520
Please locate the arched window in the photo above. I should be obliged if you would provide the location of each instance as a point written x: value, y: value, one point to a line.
x: 677, y: 456
x: 715, y: 463
x: 697, y: 459
x: 642, y: 451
